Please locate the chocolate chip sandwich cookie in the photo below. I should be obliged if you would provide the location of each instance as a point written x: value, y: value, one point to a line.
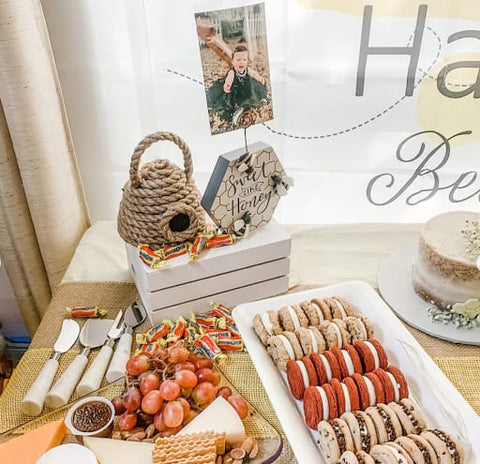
x: 362, y: 429
x: 266, y: 324
x: 386, y: 422
x: 283, y: 347
x: 418, y: 449
x: 446, y: 446
x: 409, y: 416
x: 334, y: 439
x: 292, y: 318
x: 390, y: 453
x: 356, y: 458
x: 339, y: 307
x: 335, y: 333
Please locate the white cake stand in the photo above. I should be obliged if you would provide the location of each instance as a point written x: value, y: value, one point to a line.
x: 395, y: 285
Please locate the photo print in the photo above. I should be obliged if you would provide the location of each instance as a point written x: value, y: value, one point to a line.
x: 236, y: 74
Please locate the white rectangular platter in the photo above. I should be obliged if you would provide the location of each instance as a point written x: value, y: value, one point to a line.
x: 442, y: 404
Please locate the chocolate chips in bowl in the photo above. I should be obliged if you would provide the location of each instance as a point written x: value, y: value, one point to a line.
x: 91, y: 416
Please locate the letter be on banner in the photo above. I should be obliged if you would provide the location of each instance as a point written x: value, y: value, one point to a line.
x: 413, y: 51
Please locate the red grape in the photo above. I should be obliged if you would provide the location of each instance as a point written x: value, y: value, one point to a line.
x: 186, y: 379
x: 225, y: 392
x: 170, y: 390
x: 152, y: 402
x: 190, y: 416
x: 127, y: 421
x: 186, y: 365
x: 173, y: 414
x: 132, y: 399
x: 193, y: 358
x: 239, y: 404
x: 148, y: 382
x: 205, y: 374
x: 118, y: 405
x: 203, y: 393
x: 203, y: 362
x: 137, y: 364
x: 216, y: 378
x: 186, y: 392
x: 185, y: 406
x: 178, y: 354
x: 158, y: 421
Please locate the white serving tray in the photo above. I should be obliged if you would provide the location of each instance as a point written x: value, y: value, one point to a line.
x: 442, y: 404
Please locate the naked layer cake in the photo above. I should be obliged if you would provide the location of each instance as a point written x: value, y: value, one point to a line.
x: 446, y: 271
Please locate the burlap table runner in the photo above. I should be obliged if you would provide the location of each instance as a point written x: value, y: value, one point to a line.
x: 460, y: 363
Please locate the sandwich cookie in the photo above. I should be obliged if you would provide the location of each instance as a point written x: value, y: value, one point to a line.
x: 366, y: 392
x: 319, y: 403
x: 409, y: 416
x: 313, y: 311
x: 333, y: 363
x: 311, y: 340
x: 364, y: 458
x: 346, y: 337
x: 359, y: 328
x: 266, y: 324
x: 421, y: 453
x: 292, y: 318
x: 386, y: 423
x: 327, y: 315
x: 389, y: 385
x: 362, y: 430
x: 348, y: 457
x: 300, y: 375
x: 333, y: 446
x: 446, y: 446
x: 372, y: 354
x: 348, y: 360
x: 283, y: 347
x: 338, y: 308
x: 372, y: 379
x: 396, y: 376
x: 390, y: 453
x: 425, y: 448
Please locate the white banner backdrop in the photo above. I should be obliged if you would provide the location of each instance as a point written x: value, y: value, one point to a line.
x: 399, y: 148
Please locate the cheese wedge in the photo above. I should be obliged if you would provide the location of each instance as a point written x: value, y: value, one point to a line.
x: 220, y: 416
x: 108, y: 451
x: 28, y: 448
x: 69, y: 452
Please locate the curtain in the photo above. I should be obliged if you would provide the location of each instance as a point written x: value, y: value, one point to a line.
x: 43, y: 212
x: 129, y: 67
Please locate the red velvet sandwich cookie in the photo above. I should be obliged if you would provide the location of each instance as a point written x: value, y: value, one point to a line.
x: 400, y: 380
x: 348, y: 360
x: 366, y: 399
x: 359, y: 328
x: 346, y: 394
x: 313, y: 312
x: 428, y: 453
x: 419, y: 454
x: 372, y: 379
x: 409, y: 416
x: 300, y: 375
x: 446, y: 446
x: 388, y: 385
x: 321, y: 367
x: 283, y: 347
x: 320, y: 302
x: 311, y: 340
x: 364, y: 458
x: 319, y: 403
x: 332, y: 446
x: 266, y: 324
x: 362, y: 428
x: 372, y: 354
x: 333, y: 363
x: 292, y: 317
x: 339, y: 396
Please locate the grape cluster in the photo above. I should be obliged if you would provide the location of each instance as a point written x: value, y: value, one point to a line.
x: 168, y: 389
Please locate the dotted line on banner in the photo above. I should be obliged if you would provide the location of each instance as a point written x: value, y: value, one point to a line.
x: 357, y: 126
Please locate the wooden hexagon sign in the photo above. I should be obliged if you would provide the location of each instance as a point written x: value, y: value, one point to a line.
x: 245, y: 188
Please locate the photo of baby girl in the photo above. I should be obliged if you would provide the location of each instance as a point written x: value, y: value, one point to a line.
x: 236, y: 74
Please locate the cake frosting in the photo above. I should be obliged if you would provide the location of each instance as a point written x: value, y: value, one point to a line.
x: 445, y: 272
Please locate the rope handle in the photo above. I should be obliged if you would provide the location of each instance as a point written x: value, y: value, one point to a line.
x: 150, y: 140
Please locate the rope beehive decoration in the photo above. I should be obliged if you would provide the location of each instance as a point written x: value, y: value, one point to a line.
x: 160, y: 204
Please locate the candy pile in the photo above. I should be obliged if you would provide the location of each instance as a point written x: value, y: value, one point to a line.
x: 210, y: 333
x: 210, y: 239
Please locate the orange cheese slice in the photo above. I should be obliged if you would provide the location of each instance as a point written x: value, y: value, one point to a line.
x: 27, y: 448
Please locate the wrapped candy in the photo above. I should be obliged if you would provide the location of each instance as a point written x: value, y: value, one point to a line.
x: 196, y: 248
x: 220, y: 240
x: 177, y: 331
x: 208, y: 346
x: 170, y: 252
x: 149, y: 257
x: 150, y: 348
x: 230, y: 343
x: 155, y: 333
x: 86, y: 311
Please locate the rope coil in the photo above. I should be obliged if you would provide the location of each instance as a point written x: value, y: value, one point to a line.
x: 160, y: 204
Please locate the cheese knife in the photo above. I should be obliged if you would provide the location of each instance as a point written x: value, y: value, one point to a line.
x: 92, y: 335
x: 135, y: 314
x: 92, y: 379
x: 32, y: 403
